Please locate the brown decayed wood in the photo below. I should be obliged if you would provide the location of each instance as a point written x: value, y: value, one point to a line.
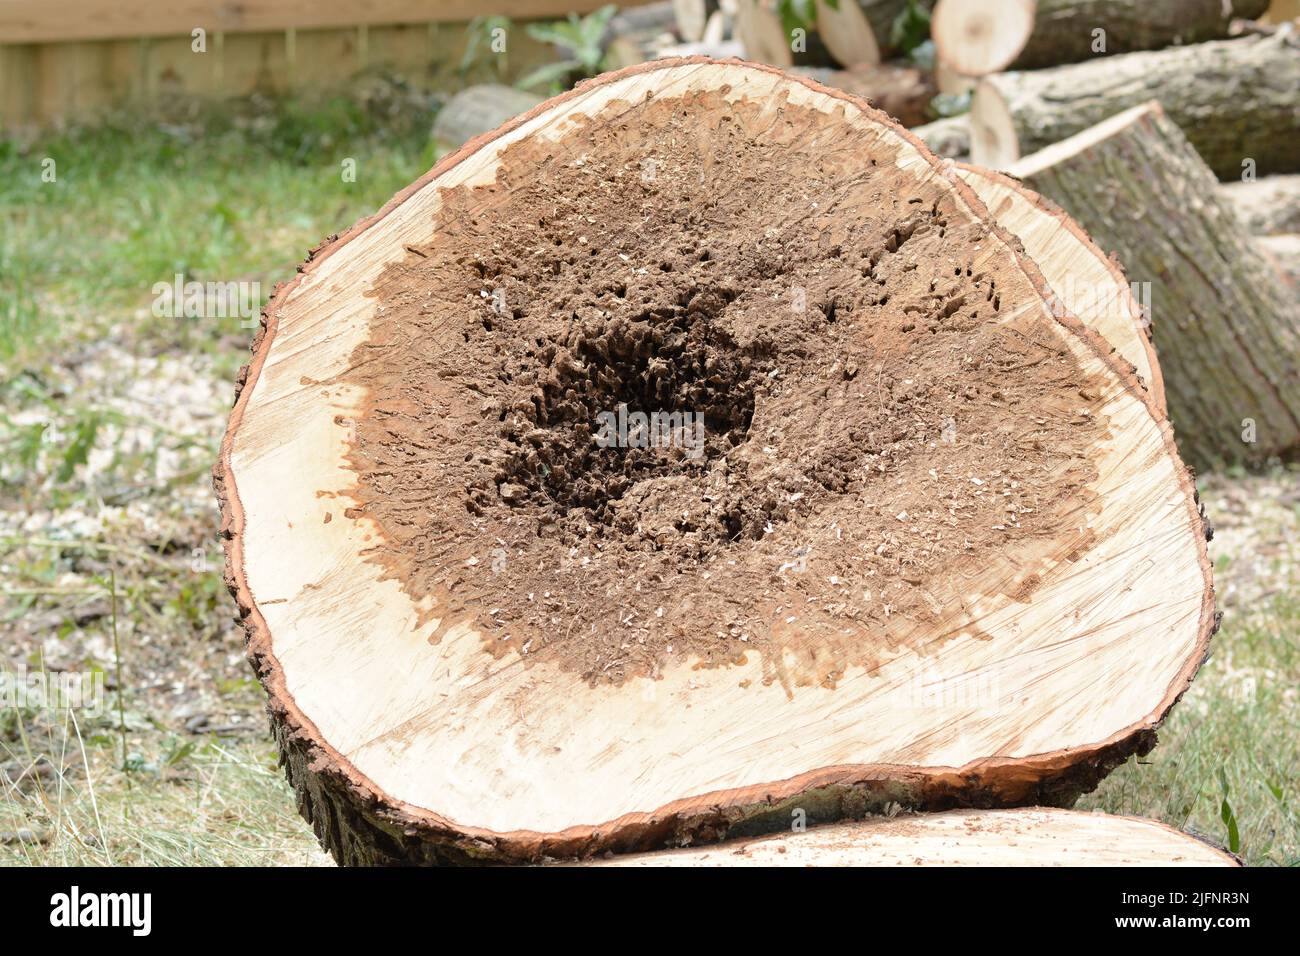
x: 1149, y: 372
x: 360, y: 824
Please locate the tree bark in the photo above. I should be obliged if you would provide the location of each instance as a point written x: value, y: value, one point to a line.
x: 1226, y: 330
x: 1282, y: 252
x: 1267, y: 206
x: 1027, y: 837
x: 1063, y: 29
x: 1240, y: 111
x: 1020, y: 672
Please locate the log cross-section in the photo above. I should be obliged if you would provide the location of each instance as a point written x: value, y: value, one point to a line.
x: 927, y: 541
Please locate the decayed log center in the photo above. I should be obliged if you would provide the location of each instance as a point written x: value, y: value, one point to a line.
x: 931, y: 545
x: 865, y: 435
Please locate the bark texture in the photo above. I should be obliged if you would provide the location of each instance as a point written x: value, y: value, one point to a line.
x: 1268, y: 206
x: 1282, y: 252
x: 1234, y: 99
x: 1063, y: 29
x: 1225, y: 327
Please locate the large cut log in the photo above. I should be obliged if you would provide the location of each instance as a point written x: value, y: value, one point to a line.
x: 1226, y: 330
x: 1027, y: 837
x: 986, y: 36
x: 691, y: 451
x: 1087, y: 283
x: 1240, y: 113
x: 1267, y: 206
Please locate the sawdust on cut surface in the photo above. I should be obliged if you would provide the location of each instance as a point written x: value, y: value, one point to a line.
x: 883, y: 420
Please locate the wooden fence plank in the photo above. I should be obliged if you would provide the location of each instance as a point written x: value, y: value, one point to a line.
x: 42, y: 21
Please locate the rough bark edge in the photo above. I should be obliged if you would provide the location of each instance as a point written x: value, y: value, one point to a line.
x: 1156, y: 387
x: 359, y: 825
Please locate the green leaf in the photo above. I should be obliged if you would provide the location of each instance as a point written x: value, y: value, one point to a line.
x: 78, y: 449
x: 1230, y: 821
x: 911, y: 27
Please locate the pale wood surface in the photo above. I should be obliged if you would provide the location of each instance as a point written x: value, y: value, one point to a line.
x: 1090, y: 285
x: 1028, y: 837
x: 455, y: 739
x: 847, y: 34
x: 978, y: 37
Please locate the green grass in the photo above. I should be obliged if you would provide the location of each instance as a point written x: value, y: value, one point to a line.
x: 239, y: 193
x: 242, y: 194
x: 221, y: 196
x: 185, y: 801
x: 1228, y: 754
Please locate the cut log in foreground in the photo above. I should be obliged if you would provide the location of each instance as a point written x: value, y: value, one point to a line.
x: 1088, y: 283
x: 1226, y: 329
x: 1242, y: 105
x: 911, y: 537
x: 1027, y: 837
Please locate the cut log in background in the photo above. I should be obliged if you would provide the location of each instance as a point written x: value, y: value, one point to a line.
x: 978, y: 37
x: 1226, y: 329
x: 904, y: 92
x: 1267, y: 206
x: 479, y: 109
x: 1028, y: 837
x: 948, y: 137
x: 759, y: 31
x: 882, y: 14
x: 847, y: 33
x: 1234, y: 99
x: 412, y: 731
